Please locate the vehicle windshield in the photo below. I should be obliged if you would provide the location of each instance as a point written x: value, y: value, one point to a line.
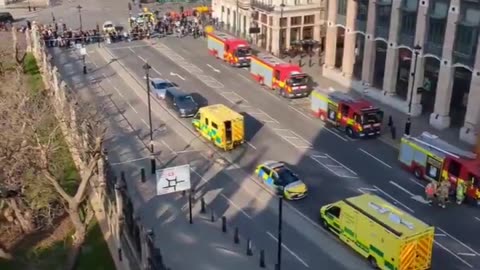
x: 243, y: 52
x: 372, y: 117
x: 108, y: 25
x: 162, y: 85
x: 286, y: 176
x: 186, y: 98
x: 296, y: 80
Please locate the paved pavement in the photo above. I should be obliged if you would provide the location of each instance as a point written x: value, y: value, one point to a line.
x: 325, y: 158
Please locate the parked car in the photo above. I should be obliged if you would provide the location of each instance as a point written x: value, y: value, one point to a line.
x: 284, y: 181
x: 108, y: 27
x: 6, y: 17
x: 182, y: 103
x: 160, y: 87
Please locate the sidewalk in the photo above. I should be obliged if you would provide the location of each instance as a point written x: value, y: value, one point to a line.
x: 207, y: 246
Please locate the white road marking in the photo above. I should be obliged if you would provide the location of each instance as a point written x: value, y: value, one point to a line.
x: 374, y: 157
x: 395, y: 200
x: 334, y: 132
x: 245, y: 78
x: 289, y: 250
x: 267, y: 118
x: 344, y: 166
x: 128, y: 47
x: 477, y: 218
x: 143, y: 59
x: 236, y: 206
x: 415, y: 182
x: 453, y: 254
x: 291, y: 137
x: 366, y: 190
x: 402, y: 188
x: 440, y: 234
x: 156, y: 71
x: 118, y: 91
x: 458, y: 241
x: 168, y: 147
x: 128, y: 161
x: 177, y: 75
x: 331, y: 167
x: 252, y: 146
x: 234, y: 98
x: 132, y: 107
x: 273, y: 95
x: 146, y: 124
x: 300, y: 112
x: 214, y: 69
x: 466, y: 254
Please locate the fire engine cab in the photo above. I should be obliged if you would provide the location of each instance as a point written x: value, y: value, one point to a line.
x: 287, y: 79
x: 358, y: 117
x: 433, y: 159
x: 233, y: 50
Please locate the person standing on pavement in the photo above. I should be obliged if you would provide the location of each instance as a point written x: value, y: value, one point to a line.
x: 430, y: 191
x: 442, y: 193
x: 460, y: 191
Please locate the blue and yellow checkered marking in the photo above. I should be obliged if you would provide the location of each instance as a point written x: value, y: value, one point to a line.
x: 265, y: 177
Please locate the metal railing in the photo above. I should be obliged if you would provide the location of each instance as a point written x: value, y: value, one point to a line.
x: 258, y: 4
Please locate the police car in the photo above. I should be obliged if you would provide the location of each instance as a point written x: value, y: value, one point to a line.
x: 284, y: 181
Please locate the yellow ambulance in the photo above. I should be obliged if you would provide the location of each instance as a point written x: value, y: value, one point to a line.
x: 221, y: 125
x: 388, y: 237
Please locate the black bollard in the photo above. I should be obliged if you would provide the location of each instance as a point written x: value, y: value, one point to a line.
x: 203, y: 209
x: 84, y: 69
x: 300, y: 62
x: 224, y: 224
x: 390, y: 121
x: 153, y: 165
x: 262, y: 259
x: 212, y: 217
x: 393, y: 132
x: 236, y: 237
x: 408, y: 125
x: 120, y: 254
x: 249, y: 248
x: 122, y: 177
x: 310, y: 64
x: 143, y: 178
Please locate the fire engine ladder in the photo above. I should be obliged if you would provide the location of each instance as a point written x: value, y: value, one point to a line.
x: 434, y: 142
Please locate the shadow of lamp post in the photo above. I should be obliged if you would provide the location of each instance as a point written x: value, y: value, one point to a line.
x: 147, y: 68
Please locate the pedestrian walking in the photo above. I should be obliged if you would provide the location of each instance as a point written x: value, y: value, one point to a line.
x: 460, y: 191
x: 430, y: 191
x: 442, y: 193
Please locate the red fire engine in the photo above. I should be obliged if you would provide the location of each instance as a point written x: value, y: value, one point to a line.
x: 358, y: 117
x: 433, y: 159
x: 287, y: 79
x: 233, y: 50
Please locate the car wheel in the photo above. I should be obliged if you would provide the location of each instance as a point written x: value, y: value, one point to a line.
x: 324, y: 224
x: 350, y: 132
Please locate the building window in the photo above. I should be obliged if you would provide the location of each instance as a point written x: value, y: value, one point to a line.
x: 296, y: 20
x: 310, y: 19
x: 409, y: 23
x: 309, y: 1
x: 410, y: 5
x: 362, y: 10
x: 472, y: 17
x: 342, y: 7
x: 465, y: 40
x: 436, y: 30
x: 283, y: 22
x: 264, y: 18
x: 439, y: 10
x: 297, y: 2
x: 270, y: 21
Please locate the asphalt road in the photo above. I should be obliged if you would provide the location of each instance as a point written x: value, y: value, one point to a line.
x: 228, y: 190
x: 333, y: 165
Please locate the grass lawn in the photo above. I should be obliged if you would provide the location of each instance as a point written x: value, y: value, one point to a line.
x: 95, y: 254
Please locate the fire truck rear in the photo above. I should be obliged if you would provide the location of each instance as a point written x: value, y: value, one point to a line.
x: 433, y: 159
x: 233, y: 50
x: 358, y: 117
x: 287, y: 79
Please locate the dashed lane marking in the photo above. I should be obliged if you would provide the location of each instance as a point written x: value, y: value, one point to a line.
x: 453, y: 254
x: 393, y: 199
x: 261, y: 116
x: 234, y: 98
x: 334, y: 166
x: 416, y: 182
x: 477, y: 218
x: 293, y: 138
x: 300, y: 112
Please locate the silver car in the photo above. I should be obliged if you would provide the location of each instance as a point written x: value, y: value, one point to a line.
x: 160, y: 87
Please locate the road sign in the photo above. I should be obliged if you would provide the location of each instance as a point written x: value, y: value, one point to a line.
x: 173, y: 179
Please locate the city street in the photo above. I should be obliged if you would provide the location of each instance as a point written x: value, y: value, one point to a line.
x: 333, y: 165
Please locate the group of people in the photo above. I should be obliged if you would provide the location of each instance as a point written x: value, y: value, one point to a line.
x: 55, y: 36
x: 440, y: 191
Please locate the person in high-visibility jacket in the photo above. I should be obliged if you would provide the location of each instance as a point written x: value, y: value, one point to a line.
x: 430, y: 191
x: 460, y: 192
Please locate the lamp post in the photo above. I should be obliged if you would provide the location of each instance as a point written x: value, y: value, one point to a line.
x: 80, y: 16
x: 416, y: 52
x: 280, y: 40
x: 278, y: 266
x: 147, y: 68
x: 237, y: 21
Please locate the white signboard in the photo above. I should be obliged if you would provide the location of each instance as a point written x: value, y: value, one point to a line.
x: 173, y: 179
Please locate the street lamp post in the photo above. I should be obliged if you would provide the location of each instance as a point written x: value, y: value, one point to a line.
x: 416, y: 52
x: 80, y: 16
x: 147, y: 68
x: 280, y: 40
x: 278, y: 266
x: 237, y: 21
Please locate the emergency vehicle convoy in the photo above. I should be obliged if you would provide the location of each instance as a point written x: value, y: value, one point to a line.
x: 386, y: 236
x: 285, y: 78
x: 358, y: 117
x: 433, y: 159
x: 220, y: 125
x: 232, y: 50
